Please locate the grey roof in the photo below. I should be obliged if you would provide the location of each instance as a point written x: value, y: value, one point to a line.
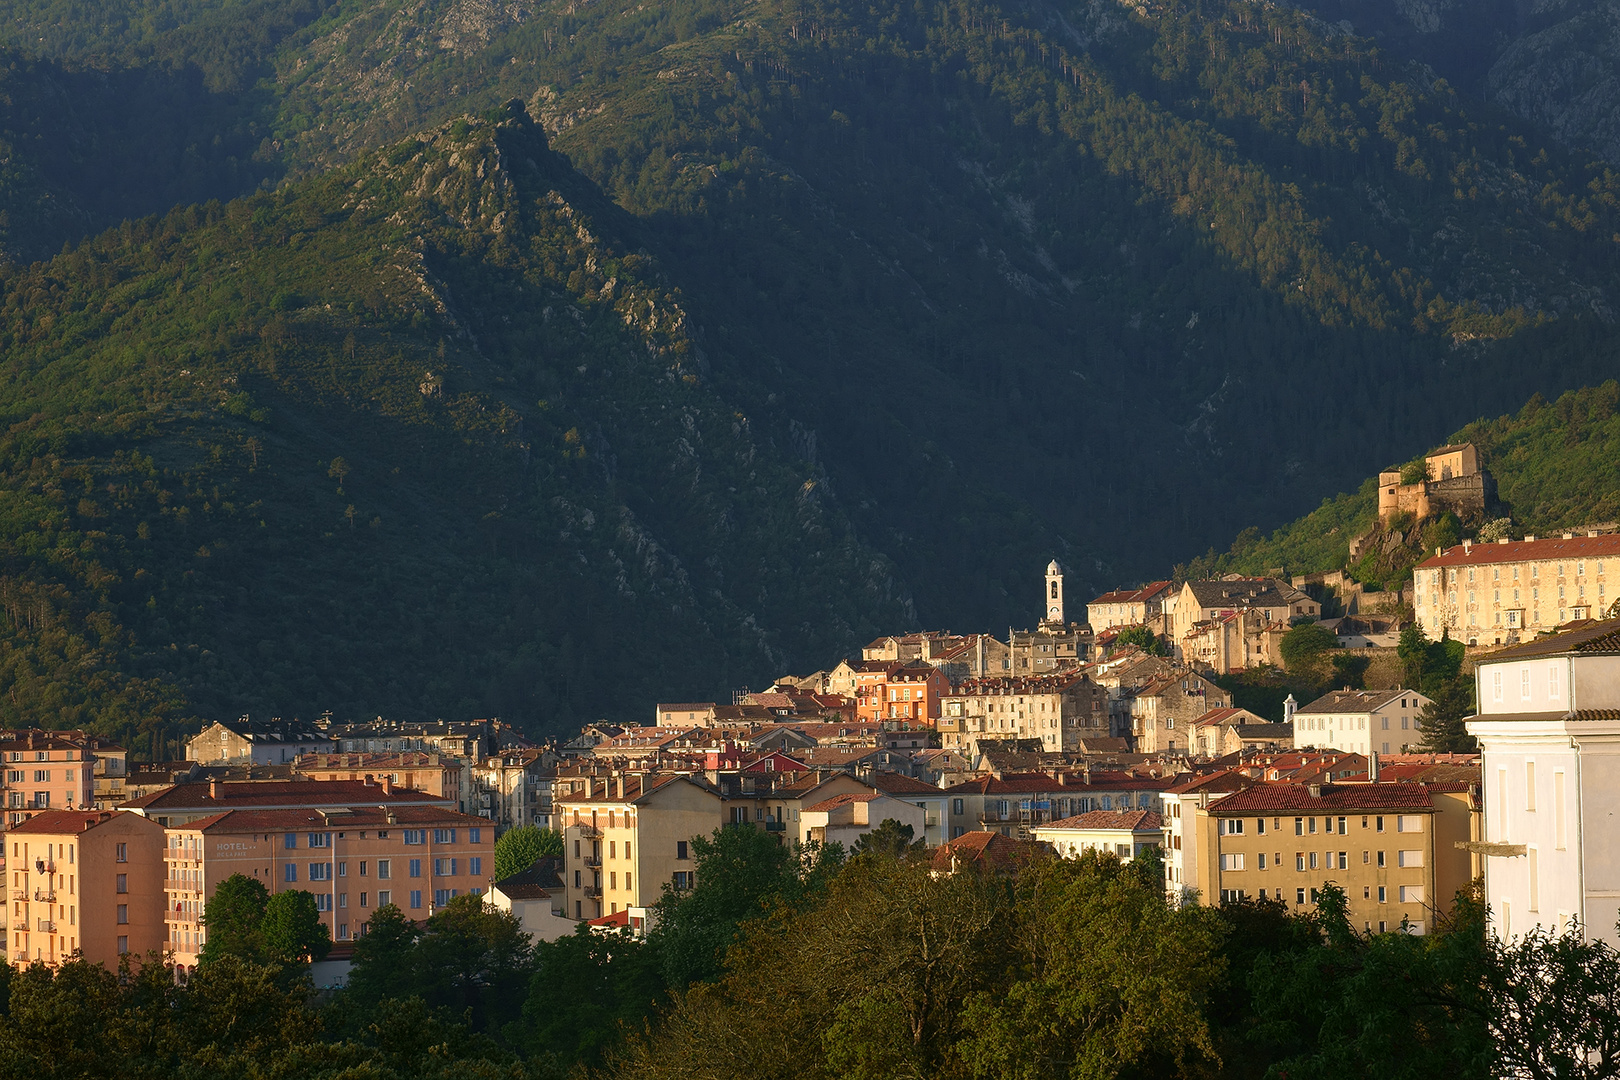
x: 1593, y: 638
x: 1351, y: 701
x: 1260, y: 592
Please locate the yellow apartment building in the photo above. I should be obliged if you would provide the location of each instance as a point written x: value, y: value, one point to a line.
x: 87, y: 882
x: 352, y: 860
x: 1500, y: 593
x: 1390, y: 847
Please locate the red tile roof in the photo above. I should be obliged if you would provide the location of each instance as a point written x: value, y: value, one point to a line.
x: 257, y: 794
x: 1124, y: 820
x: 988, y: 850
x: 842, y: 800
x: 61, y: 822
x: 892, y: 783
x: 1269, y: 798
x: 356, y: 817
x: 1225, y: 780
x: 1575, y: 547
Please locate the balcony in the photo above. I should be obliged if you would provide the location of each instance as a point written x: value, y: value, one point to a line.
x: 593, y: 892
x: 45, y: 896
x: 47, y: 926
x: 19, y: 894
x: 776, y: 826
x: 588, y: 832
x: 593, y: 861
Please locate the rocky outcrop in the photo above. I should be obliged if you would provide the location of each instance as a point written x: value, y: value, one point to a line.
x: 1563, y: 74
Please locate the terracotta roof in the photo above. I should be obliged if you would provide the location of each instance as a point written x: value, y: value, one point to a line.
x: 256, y: 794
x: 1132, y: 820
x: 1225, y: 780
x: 1270, y: 798
x: 1542, y: 550
x: 349, y: 817
x: 892, y: 783
x: 618, y: 918
x: 1350, y: 701
x: 1589, y: 637
x: 684, y: 706
x: 60, y: 822
x: 1216, y: 717
x: 1030, y: 783
x: 845, y: 799
x: 989, y: 850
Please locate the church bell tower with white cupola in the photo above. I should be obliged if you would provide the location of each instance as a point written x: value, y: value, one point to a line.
x: 1054, y: 595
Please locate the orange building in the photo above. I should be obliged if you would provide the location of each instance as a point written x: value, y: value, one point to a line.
x: 907, y: 693
x: 45, y: 771
x: 353, y: 861
x: 88, y: 882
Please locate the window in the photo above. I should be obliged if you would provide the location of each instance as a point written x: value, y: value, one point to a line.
x: 1344, y: 860
x: 1383, y: 896
x: 475, y: 836
x: 1312, y: 825
x: 343, y: 869
x: 956, y: 808
x: 123, y: 945
x: 441, y: 897
x: 123, y: 914
x: 416, y: 899
x: 292, y: 872
x: 1313, y: 860
x: 290, y: 841
x: 122, y: 853
x: 122, y: 883
x: 384, y: 898
x: 1409, y: 858
x: 1496, y: 685
x: 42, y: 776
x: 682, y: 879
x: 1232, y: 862
x: 475, y: 866
x: 1299, y: 826
x: 1380, y: 858
x: 1262, y: 860
x: 320, y: 871
x: 416, y: 868
x: 444, y: 836
x: 1234, y: 826
x: 416, y: 836
x: 1380, y: 829
x: 383, y: 866
x: 1343, y: 829
x: 1409, y: 823
x: 680, y: 847
x: 1552, y: 683
x: 1411, y: 894
x: 1533, y: 892
x: 320, y: 839
x: 323, y: 901
x: 1299, y: 896
x: 1299, y: 860
x: 1524, y: 683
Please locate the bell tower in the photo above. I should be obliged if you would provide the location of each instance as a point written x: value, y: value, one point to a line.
x: 1053, y: 605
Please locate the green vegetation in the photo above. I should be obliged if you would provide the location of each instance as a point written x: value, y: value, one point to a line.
x: 1142, y: 638
x: 518, y: 849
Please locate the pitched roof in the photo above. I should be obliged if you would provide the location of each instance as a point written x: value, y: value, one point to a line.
x: 989, y: 850
x: 1248, y: 592
x: 893, y: 783
x: 61, y: 822
x: 1225, y: 780
x: 348, y: 817
x: 1548, y: 548
x: 268, y: 794
x: 1594, y: 638
x: 1268, y: 798
x: 1351, y: 701
x: 1124, y: 820
x: 827, y: 805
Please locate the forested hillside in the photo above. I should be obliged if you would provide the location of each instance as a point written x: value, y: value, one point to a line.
x: 415, y: 438
x: 1555, y: 464
x: 973, y: 283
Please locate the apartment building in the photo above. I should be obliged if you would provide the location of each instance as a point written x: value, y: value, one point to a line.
x: 627, y: 836
x: 1548, y: 727
x: 353, y: 860
x: 256, y: 742
x: 1123, y: 833
x: 1060, y: 710
x: 45, y: 771
x: 1361, y: 721
x: 414, y: 770
x: 86, y: 882
x: 1017, y: 803
x: 1498, y: 593
x: 1130, y: 607
x: 1181, y: 804
x: 1388, y: 846
x: 1163, y: 711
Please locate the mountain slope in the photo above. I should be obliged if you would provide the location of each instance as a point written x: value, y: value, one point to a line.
x: 413, y: 438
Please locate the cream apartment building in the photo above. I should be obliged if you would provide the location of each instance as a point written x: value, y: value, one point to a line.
x: 1060, y: 710
x: 1499, y: 593
x: 87, y: 882
x: 1549, y: 729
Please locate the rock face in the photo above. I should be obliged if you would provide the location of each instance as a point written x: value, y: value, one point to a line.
x: 1563, y: 73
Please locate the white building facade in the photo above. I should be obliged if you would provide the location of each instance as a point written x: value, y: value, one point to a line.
x: 1361, y: 721
x: 1549, y: 728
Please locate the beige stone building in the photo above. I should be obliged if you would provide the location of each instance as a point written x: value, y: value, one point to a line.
x: 1122, y: 833
x: 45, y: 771
x: 1272, y: 600
x: 1453, y: 480
x: 1500, y: 593
x: 1060, y: 710
x: 1235, y: 641
x: 1130, y: 607
x: 257, y: 742
x: 87, y: 882
x: 1163, y: 711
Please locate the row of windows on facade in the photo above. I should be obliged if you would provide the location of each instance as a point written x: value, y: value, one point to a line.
x: 1496, y: 572
x: 47, y: 861
x: 411, y: 836
x: 70, y: 945
x: 1307, y: 860
x: 45, y: 755
x: 322, y: 871
x: 41, y: 776
x: 1407, y: 894
x: 1554, y: 687
x: 1313, y: 723
x: 1064, y: 807
x: 1306, y: 826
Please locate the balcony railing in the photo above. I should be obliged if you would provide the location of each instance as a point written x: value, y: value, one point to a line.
x: 45, y: 896
x: 776, y: 826
x: 589, y: 832
x: 593, y: 892
x: 19, y: 894
x: 593, y: 861
x: 47, y: 926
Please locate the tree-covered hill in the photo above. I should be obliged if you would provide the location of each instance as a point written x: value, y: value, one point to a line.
x: 419, y: 438
x: 1555, y: 463
x: 977, y: 283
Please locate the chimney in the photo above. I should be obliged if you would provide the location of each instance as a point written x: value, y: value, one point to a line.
x: 621, y: 785
x: 216, y: 789
x: 388, y: 785
x: 1530, y: 537
x: 1315, y: 790
x: 1062, y: 778
x: 1468, y: 547
x: 1372, y: 767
